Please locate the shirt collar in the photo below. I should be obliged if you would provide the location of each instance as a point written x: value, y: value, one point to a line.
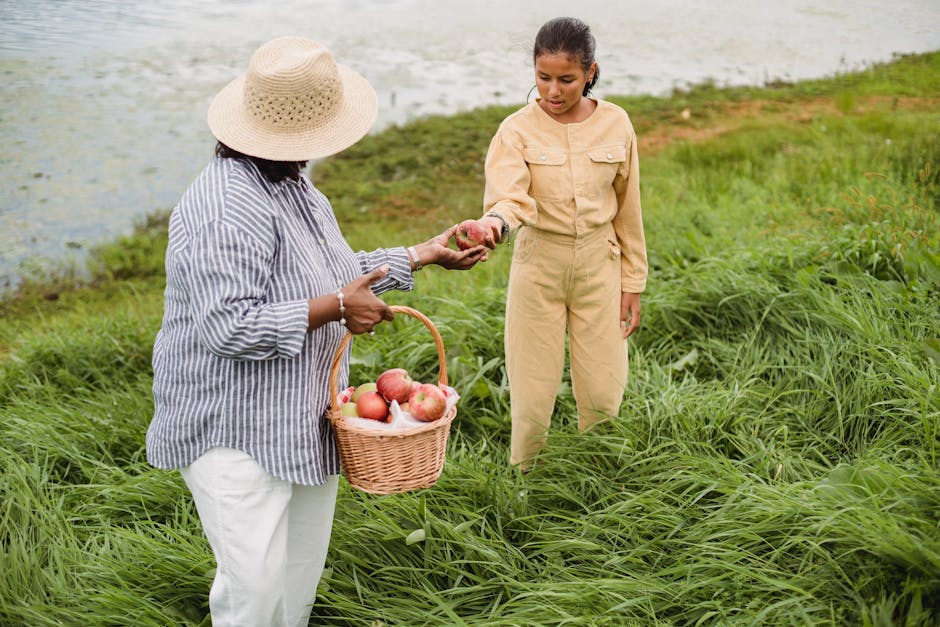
x: 281, y: 187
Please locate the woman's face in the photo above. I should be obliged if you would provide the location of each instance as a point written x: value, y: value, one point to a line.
x: 560, y: 80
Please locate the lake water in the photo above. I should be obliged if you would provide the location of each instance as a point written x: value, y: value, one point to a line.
x: 103, y: 101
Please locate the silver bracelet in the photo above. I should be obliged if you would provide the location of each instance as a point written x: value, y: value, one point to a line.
x: 342, y: 307
x: 413, y: 254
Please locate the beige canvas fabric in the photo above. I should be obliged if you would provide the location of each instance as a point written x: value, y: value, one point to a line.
x: 559, y: 282
x: 571, y: 196
x: 557, y: 178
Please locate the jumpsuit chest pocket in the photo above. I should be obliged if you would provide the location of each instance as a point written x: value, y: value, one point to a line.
x: 604, y: 163
x: 549, y: 175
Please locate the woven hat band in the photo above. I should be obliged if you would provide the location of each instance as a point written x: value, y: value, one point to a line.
x: 296, y: 92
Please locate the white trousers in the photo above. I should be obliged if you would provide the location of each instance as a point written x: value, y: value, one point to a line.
x: 269, y: 538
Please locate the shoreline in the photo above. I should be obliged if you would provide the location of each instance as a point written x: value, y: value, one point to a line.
x: 695, y: 114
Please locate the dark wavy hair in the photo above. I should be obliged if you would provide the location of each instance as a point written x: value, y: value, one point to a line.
x: 274, y: 171
x: 570, y: 36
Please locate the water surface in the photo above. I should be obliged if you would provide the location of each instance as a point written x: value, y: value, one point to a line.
x: 103, y: 101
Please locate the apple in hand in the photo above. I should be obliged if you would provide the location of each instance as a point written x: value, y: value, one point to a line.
x: 362, y: 389
x: 372, y: 406
x: 470, y: 233
x: 427, y: 402
x: 395, y: 385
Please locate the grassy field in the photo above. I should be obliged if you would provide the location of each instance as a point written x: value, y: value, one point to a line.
x: 776, y: 458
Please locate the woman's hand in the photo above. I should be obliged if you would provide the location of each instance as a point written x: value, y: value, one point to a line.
x: 493, y: 227
x: 364, y: 309
x: 629, y: 313
x: 435, y: 251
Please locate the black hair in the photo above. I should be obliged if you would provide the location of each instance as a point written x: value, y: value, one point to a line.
x: 274, y: 171
x: 572, y: 37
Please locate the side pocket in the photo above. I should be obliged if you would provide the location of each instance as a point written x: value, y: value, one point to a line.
x: 613, y: 256
x: 522, y: 246
x: 613, y: 249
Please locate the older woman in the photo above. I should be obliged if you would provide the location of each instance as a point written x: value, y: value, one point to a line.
x: 261, y: 287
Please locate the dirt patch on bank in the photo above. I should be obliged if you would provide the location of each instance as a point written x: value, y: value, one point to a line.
x: 719, y: 118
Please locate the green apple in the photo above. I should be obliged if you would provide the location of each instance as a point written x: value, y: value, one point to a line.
x: 349, y: 409
x: 362, y: 389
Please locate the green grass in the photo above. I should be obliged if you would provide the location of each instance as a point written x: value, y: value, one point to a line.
x: 775, y: 462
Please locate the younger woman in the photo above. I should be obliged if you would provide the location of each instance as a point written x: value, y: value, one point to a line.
x: 562, y: 173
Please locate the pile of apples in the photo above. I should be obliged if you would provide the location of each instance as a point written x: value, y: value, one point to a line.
x: 425, y: 401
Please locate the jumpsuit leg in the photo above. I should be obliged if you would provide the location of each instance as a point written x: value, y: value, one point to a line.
x: 534, y: 340
x: 598, y: 352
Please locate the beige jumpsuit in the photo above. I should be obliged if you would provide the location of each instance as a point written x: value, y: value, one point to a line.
x: 571, y: 195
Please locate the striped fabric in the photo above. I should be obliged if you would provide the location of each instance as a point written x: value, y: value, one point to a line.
x: 233, y: 363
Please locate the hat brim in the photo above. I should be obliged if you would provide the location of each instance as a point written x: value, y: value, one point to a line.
x: 230, y: 124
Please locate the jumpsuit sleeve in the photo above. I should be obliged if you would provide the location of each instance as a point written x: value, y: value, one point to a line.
x: 628, y: 221
x: 507, y: 183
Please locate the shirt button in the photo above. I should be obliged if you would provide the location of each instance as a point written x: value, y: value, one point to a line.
x: 543, y: 157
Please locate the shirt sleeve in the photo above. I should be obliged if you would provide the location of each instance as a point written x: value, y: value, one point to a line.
x: 628, y: 222
x: 229, y: 272
x: 507, y: 183
x: 399, y: 277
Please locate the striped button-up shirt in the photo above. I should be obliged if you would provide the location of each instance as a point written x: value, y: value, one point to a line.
x: 234, y: 364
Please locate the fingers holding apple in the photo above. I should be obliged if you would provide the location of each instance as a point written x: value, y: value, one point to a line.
x: 472, y: 233
x: 494, y: 229
x: 437, y: 252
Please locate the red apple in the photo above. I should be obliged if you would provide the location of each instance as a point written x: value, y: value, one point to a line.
x: 362, y: 389
x: 372, y: 406
x: 427, y: 402
x: 470, y: 233
x: 395, y: 385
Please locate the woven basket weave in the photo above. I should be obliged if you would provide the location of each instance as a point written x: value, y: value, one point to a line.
x: 383, y: 461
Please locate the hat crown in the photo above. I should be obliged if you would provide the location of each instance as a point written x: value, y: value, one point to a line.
x: 292, y: 84
x: 295, y: 103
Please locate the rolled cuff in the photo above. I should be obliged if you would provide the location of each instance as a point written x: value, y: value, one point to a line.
x: 399, y: 277
x: 632, y: 286
x: 292, y: 319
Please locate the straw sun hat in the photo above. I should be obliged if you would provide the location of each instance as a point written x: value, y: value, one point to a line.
x: 295, y: 103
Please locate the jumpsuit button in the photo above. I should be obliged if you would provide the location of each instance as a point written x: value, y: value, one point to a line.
x: 610, y: 156
x: 543, y: 157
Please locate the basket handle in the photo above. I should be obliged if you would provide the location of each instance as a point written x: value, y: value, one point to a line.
x: 338, y: 356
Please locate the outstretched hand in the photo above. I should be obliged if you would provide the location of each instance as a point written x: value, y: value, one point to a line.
x: 436, y: 251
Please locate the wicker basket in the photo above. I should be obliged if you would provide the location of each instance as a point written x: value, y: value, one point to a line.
x: 380, y: 461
